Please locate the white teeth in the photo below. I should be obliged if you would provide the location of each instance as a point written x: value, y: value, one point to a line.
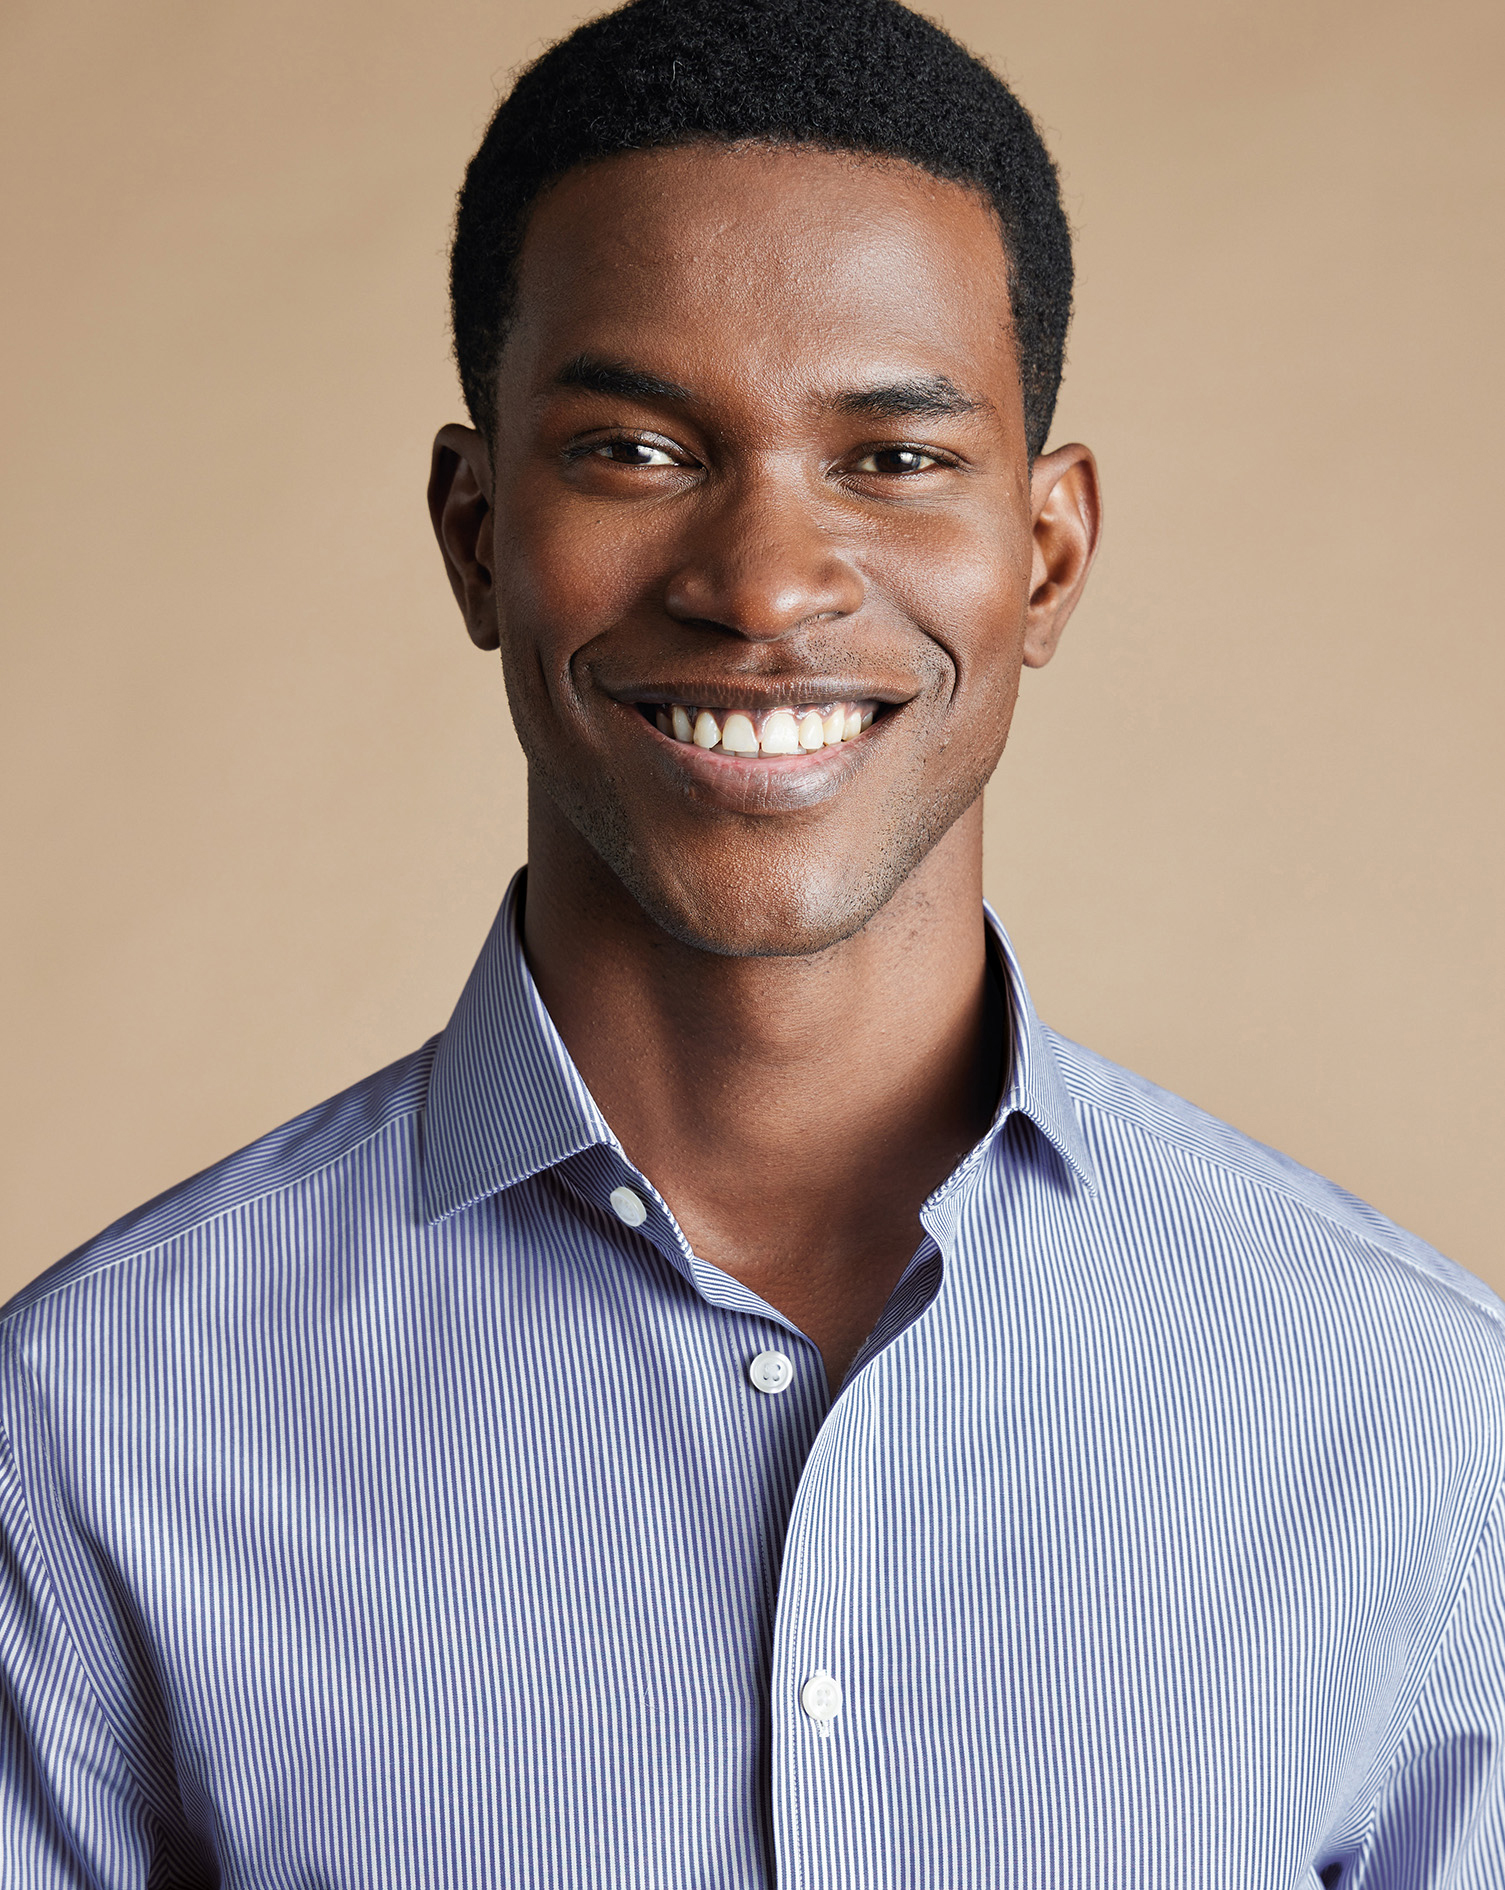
x: 781, y: 736
x: 792, y: 731
x: 739, y: 737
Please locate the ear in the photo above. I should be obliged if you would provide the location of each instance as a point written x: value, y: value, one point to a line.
x: 460, y: 506
x: 1067, y: 508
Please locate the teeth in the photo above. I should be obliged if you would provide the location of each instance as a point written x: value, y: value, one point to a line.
x: 780, y: 734
x: 802, y: 729
x: 739, y: 737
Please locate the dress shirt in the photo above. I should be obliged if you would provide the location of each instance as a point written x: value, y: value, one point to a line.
x: 403, y: 1505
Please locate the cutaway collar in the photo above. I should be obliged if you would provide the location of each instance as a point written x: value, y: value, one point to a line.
x: 1036, y: 1087
x: 506, y: 1102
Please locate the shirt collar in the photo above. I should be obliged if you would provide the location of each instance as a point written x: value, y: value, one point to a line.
x: 505, y: 1100
x: 1036, y: 1086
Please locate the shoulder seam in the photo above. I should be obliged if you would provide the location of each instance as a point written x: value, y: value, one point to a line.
x: 11, y: 1315
x: 1275, y: 1185
x: 142, y: 1783
x: 1445, y: 1628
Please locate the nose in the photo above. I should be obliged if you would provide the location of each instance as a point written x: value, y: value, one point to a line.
x: 762, y: 564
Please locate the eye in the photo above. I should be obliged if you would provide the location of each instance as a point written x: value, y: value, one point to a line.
x: 629, y: 453
x: 898, y: 460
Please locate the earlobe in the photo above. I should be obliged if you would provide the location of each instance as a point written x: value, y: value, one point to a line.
x: 459, y: 499
x: 1066, y: 502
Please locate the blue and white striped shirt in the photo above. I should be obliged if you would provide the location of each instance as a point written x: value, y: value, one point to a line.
x: 383, y: 1509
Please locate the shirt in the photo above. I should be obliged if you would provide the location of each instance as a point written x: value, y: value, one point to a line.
x: 402, y: 1503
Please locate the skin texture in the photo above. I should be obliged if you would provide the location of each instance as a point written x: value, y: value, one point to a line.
x: 759, y: 439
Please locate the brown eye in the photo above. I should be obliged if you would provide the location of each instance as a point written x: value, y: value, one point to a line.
x: 891, y: 460
x: 632, y: 453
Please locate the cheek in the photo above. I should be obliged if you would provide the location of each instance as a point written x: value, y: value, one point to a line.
x: 970, y: 600
x: 564, y: 576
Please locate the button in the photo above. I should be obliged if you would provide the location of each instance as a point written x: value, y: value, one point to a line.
x: 628, y: 1207
x: 771, y: 1372
x: 820, y: 1696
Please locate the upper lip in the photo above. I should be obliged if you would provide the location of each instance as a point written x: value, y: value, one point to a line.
x: 776, y: 693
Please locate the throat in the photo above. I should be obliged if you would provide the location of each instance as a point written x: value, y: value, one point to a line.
x: 803, y: 1178
x: 794, y: 1112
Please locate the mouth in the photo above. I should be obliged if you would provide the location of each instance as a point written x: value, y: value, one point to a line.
x: 795, y: 728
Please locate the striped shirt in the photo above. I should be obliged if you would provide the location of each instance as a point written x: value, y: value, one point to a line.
x: 402, y: 1503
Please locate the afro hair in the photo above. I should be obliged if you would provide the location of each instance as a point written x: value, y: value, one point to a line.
x: 864, y: 76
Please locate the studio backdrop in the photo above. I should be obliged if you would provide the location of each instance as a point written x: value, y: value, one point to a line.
x: 262, y: 796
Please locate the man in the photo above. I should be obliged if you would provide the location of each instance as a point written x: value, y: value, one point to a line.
x: 747, y: 1403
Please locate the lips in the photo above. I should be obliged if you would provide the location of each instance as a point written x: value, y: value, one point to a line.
x: 795, y: 728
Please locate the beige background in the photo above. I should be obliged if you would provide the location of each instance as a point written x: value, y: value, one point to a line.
x: 262, y: 796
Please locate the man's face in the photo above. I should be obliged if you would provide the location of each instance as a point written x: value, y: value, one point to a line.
x: 762, y: 548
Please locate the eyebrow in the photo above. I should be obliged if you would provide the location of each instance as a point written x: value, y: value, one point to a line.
x: 615, y: 377
x: 927, y: 396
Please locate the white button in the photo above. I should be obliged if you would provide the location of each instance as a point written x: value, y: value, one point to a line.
x: 628, y: 1207
x: 771, y: 1371
x: 821, y: 1698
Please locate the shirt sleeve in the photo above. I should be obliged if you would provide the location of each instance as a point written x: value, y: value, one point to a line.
x: 1440, y: 1821
x: 72, y: 1816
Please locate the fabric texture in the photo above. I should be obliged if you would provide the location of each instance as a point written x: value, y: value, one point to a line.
x: 380, y: 1511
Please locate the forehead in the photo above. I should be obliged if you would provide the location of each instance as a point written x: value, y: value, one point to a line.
x: 776, y: 260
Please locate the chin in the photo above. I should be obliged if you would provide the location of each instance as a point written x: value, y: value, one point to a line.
x: 746, y: 890
x: 797, y: 910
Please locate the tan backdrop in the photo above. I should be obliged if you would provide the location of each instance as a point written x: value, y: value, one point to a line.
x: 262, y: 795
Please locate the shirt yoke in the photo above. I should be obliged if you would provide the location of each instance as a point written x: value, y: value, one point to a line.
x: 311, y: 1143
x: 1115, y: 1104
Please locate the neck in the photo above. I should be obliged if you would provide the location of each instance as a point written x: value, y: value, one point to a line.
x: 793, y: 1112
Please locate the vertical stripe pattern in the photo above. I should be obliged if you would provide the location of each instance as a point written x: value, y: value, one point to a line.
x: 380, y: 1509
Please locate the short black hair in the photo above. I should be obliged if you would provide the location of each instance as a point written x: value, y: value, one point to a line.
x: 863, y: 76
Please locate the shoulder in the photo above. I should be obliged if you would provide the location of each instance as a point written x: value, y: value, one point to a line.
x: 203, y: 1218
x: 1166, y: 1164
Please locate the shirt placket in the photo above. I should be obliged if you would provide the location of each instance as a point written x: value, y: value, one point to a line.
x: 822, y: 1705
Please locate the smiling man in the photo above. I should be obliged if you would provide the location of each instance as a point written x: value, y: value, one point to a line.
x: 754, y: 517
x: 747, y: 1403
